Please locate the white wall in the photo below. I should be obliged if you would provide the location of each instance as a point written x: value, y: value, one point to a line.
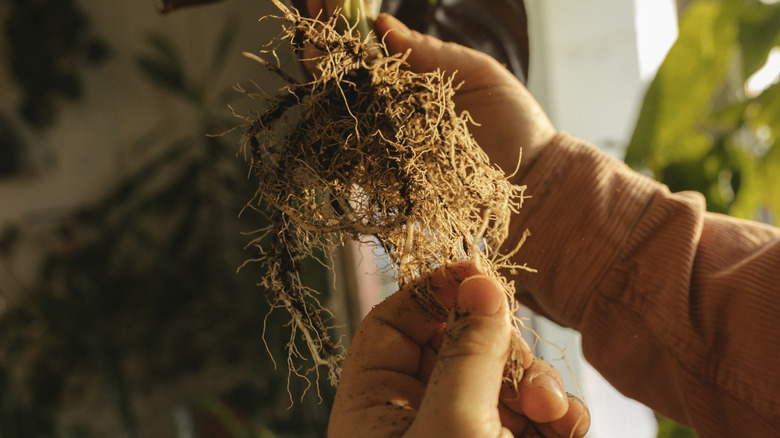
x: 590, y: 64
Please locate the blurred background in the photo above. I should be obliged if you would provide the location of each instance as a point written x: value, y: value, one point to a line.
x: 121, y: 311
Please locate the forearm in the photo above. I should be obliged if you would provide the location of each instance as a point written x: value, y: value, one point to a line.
x: 677, y: 307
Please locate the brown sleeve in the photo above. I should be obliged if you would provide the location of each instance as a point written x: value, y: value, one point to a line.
x: 678, y: 308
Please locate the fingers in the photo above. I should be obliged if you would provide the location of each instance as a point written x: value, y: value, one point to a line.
x: 390, y: 340
x: 510, y: 116
x: 315, y: 8
x: 575, y: 423
x: 379, y: 387
x: 540, y: 395
x: 464, y: 385
x: 403, y: 312
x: 400, y: 346
x: 429, y: 53
x: 540, y: 398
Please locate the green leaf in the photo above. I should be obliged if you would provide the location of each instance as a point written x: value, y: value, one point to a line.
x: 163, y: 65
x: 228, y: 418
x: 728, y: 117
x: 225, y: 41
x: 669, y: 429
x: 766, y: 110
x: 759, y: 31
x: 751, y: 192
x: 771, y: 179
x: 681, y: 95
x: 164, y: 48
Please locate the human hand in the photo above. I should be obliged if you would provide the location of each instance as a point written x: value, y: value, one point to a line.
x: 509, y: 119
x: 409, y: 373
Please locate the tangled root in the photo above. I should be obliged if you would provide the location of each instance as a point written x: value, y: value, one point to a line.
x: 368, y: 148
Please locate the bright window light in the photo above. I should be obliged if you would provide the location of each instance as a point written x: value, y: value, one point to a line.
x: 656, y: 28
x: 766, y: 75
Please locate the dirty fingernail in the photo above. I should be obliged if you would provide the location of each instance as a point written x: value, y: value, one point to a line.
x: 525, y: 349
x: 479, y: 295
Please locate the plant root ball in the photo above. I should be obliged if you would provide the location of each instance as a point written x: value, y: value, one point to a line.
x: 368, y: 148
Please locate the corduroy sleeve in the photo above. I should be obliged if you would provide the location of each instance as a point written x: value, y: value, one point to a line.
x: 678, y: 308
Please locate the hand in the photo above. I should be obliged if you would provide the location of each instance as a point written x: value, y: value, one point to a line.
x: 409, y: 373
x: 509, y: 118
x: 511, y: 122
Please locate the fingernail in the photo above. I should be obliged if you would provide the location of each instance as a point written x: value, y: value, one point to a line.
x: 479, y: 295
x: 549, y: 384
x: 525, y: 350
x: 395, y: 25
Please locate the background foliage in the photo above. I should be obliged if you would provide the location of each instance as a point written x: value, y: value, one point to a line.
x: 138, y: 292
x: 48, y: 44
x: 698, y: 128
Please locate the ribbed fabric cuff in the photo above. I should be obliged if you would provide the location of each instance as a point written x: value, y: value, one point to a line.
x: 582, y: 207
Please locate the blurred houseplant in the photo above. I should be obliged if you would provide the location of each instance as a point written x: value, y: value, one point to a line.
x: 48, y: 45
x: 701, y: 126
x: 138, y: 293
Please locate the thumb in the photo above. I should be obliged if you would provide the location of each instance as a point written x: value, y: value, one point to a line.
x: 429, y: 53
x: 462, y: 392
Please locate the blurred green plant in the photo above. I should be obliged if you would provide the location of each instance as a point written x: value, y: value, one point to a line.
x: 233, y: 422
x: 11, y: 147
x: 698, y: 128
x: 48, y: 44
x: 669, y: 429
x: 149, y: 273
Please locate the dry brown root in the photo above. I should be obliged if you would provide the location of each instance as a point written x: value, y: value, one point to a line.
x: 369, y: 148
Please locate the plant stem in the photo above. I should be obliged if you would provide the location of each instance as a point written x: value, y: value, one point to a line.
x: 358, y: 13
